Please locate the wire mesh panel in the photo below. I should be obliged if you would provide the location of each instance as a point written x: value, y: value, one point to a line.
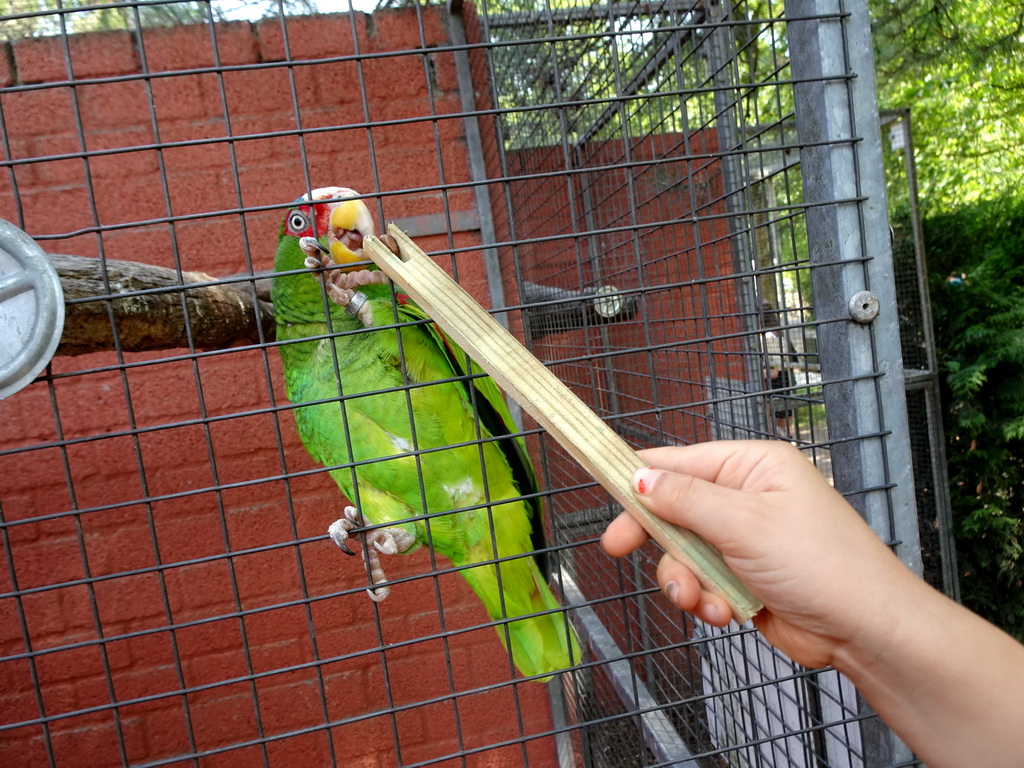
x: 647, y: 194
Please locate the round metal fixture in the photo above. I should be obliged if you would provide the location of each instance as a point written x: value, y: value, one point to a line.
x: 31, y: 309
x: 863, y: 307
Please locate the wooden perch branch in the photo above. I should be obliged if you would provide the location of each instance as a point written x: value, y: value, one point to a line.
x: 219, y: 315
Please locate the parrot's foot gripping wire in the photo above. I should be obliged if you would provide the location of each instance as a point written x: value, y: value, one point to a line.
x: 387, y: 541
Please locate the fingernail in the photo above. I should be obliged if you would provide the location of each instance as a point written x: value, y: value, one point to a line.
x: 672, y: 589
x: 643, y: 480
x: 712, y: 614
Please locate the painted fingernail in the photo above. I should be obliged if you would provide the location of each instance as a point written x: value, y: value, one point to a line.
x: 672, y: 589
x: 643, y: 480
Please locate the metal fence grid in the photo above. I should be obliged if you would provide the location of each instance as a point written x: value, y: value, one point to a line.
x: 642, y: 191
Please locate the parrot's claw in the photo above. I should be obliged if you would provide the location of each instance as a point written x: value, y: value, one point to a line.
x: 386, y: 541
x: 311, y: 244
x: 338, y: 534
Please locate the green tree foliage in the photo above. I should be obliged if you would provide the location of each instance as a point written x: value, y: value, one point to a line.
x: 960, y: 66
x: 976, y: 263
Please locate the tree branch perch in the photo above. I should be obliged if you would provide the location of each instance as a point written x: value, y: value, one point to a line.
x: 150, y: 305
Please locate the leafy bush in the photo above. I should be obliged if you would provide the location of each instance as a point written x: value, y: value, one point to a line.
x: 976, y: 270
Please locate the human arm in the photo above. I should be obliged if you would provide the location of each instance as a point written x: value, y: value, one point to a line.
x: 950, y: 684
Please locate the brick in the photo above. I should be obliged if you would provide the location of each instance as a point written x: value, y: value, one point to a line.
x: 163, y: 394
x: 40, y: 59
x: 309, y: 37
x: 115, y: 547
x: 126, y: 200
x: 46, y: 552
x: 92, y: 735
x: 23, y: 746
x: 200, y: 244
x: 91, y: 405
x: 144, y: 666
x: 240, y: 757
x: 134, y: 162
x: 336, y: 640
x: 37, y: 202
x: 366, y: 743
x: 403, y: 28
x: 278, y: 639
x: 184, y: 46
x: 17, y: 698
x: 427, y: 732
x: 417, y: 672
x: 269, y: 577
x: 103, y: 54
x: 11, y: 638
x: 261, y: 92
x: 304, y: 749
x: 200, y: 157
x: 235, y: 380
x: 338, y: 97
x: 47, y: 114
x: 176, y: 460
x: 260, y: 462
x: 213, y: 668
x: 233, y: 446
x: 397, y: 77
x: 184, y: 98
x: 38, y: 471
x: 56, y: 617
x: 236, y: 43
x: 201, y: 191
x: 153, y: 731
x: 258, y: 518
x: 8, y: 75
x: 444, y: 73
x: 131, y: 603
x: 223, y: 716
x: 199, y: 590
x: 104, y: 472
x: 107, y: 106
x: 188, y: 527
x: 289, y: 701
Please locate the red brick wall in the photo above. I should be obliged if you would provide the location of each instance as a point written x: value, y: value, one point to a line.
x: 125, y: 488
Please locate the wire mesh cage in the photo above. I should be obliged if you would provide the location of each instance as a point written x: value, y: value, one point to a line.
x: 679, y: 206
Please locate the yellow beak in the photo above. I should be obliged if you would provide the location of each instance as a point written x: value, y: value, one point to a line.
x: 346, y: 215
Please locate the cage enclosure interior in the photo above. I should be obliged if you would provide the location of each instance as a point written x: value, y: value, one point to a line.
x: 678, y: 206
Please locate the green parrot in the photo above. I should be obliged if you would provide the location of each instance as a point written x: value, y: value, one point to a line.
x: 452, y: 433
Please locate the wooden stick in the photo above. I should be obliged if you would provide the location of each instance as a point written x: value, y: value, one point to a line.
x: 577, y: 428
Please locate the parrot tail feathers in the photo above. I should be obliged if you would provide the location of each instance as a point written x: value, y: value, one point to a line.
x: 540, y: 645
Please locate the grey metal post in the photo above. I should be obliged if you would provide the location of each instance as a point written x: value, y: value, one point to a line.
x: 851, y: 261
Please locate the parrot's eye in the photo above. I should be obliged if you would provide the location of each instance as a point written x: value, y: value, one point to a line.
x: 298, y: 222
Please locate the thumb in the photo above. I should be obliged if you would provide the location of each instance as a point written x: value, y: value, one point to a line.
x: 712, y: 511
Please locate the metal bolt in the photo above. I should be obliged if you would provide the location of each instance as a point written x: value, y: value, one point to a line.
x: 863, y: 307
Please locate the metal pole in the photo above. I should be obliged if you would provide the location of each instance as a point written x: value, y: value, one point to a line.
x: 851, y: 265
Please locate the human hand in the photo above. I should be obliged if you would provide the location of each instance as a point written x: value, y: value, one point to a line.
x: 802, y: 550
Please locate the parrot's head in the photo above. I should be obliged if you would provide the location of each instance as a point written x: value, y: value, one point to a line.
x: 331, y: 219
x: 328, y: 220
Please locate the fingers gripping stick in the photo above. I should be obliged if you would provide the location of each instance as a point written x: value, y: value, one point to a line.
x: 577, y: 428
